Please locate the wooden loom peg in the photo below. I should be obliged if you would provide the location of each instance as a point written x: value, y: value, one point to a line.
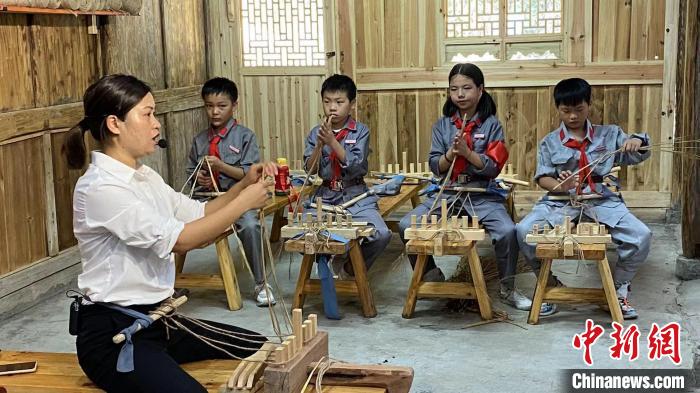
x: 557, y: 230
x: 475, y: 222
x: 279, y: 355
x: 444, y: 213
x: 455, y: 222
x: 595, y: 229
x: 509, y: 169
x: 296, y: 327
x: 434, y: 220
x: 309, y: 219
x: 424, y: 221
x: 567, y: 225
x: 348, y: 221
x: 412, y: 168
x: 329, y: 220
x: 602, y: 230
x: 404, y: 161
x: 397, y: 168
x: 535, y: 229
x: 299, y: 220
x: 314, y: 324
x: 419, y: 167
x: 319, y: 209
x: 382, y: 168
x: 390, y: 168
x: 426, y: 166
x: 306, y: 329
x: 413, y: 221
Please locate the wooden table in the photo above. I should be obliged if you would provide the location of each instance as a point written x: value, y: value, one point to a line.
x: 61, y: 373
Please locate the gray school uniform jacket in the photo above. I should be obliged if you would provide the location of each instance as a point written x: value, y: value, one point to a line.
x: 238, y: 147
x: 553, y: 158
x: 488, y: 141
x: 354, y: 168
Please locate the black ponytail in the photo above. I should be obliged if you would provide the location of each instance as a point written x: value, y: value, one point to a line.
x: 111, y: 95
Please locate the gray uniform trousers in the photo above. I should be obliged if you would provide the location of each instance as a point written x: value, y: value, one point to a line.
x: 492, y: 215
x: 627, y: 231
x: 248, y: 227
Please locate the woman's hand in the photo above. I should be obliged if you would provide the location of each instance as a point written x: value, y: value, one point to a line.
x: 214, y: 162
x: 254, y: 196
x: 260, y: 171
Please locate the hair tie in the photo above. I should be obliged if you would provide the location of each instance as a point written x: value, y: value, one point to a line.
x: 84, y: 124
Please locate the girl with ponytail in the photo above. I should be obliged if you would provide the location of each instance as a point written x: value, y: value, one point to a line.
x: 468, y: 145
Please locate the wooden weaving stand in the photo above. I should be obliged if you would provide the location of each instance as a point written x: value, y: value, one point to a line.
x: 227, y: 279
x: 587, y: 241
x: 285, y: 367
x: 455, y: 236
x: 311, y: 244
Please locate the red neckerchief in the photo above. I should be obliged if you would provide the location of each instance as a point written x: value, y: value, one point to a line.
x: 214, y: 139
x: 584, y: 174
x: 335, y: 162
x: 461, y: 163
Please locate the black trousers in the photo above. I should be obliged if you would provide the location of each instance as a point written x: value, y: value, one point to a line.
x: 157, y: 353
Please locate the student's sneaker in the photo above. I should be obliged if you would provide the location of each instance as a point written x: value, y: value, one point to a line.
x: 338, y: 267
x: 434, y: 275
x: 548, y: 309
x: 623, y: 289
x: 264, y: 298
x: 628, y: 312
x: 514, y: 298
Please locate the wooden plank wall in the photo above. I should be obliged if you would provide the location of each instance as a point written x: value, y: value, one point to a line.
x: 604, y: 37
x: 47, y: 63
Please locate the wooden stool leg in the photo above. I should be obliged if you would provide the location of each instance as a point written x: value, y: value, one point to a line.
x: 609, y: 289
x: 363, y: 290
x: 278, y: 221
x: 410, y: 306
x: 482, y: 295
x: 228, y: 274
x: 540, y: 289
x: 180, y: 262
x: 304, y: 273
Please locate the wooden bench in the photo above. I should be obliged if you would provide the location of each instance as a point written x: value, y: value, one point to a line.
x: 543, y: 293
x: 359, y: 286
x: 227, y: 279
x: 451, y: 290
x: 61, y: 373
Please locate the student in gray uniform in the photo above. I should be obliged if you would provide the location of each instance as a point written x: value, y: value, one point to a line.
x: 337, y: 151
x: 231, y: 149
x: 479, y: 156
x: 571, y: 147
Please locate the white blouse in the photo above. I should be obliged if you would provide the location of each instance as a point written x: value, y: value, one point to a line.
x: 127, y: 222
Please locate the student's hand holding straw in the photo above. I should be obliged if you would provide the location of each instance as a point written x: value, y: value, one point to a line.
x: 568, y: 181
x: 459, y: 147
x: 203, y: 179
x: 325, y: 133
x: 631, y: 145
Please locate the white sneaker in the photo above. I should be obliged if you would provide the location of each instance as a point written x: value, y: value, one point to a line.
x: 516, y: 299
x: 264, y: 298
x: 338, y: 267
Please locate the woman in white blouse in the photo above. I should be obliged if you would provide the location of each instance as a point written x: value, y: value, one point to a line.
x: 128, y: 223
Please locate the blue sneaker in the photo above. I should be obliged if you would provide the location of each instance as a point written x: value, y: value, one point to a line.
x: 548, y: 309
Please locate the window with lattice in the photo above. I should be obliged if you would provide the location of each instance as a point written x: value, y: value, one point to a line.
x: 283, y: 33
x: 497, y: 30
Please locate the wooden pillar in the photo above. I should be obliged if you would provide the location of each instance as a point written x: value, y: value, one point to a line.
x: 687, y: 123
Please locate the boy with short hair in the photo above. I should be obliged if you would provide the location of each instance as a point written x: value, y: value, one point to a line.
x: 230, y: 149
x: 569, y: 148
x: 337, y: 151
